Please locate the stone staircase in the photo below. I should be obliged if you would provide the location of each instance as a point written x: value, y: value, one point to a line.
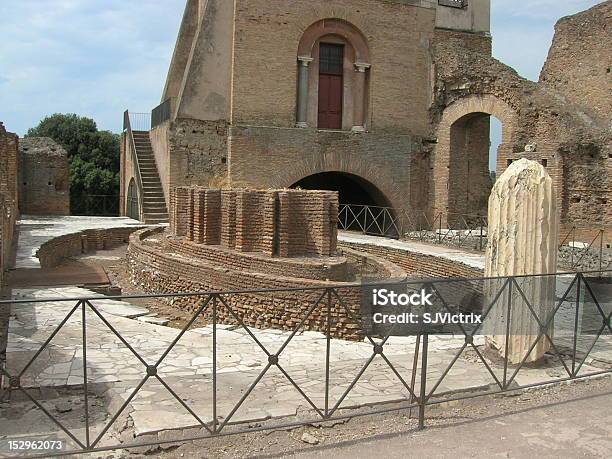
x: 153, y: 201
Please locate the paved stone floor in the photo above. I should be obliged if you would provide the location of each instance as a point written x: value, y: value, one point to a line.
x: 472, y: 259
x: 114, y: 371
x: 33, y: 231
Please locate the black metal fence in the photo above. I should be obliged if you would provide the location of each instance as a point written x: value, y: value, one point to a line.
x: 576, y: 322
x: 468, y: 231
x: 96, y: 205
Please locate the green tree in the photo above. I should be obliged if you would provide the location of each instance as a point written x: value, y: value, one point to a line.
x: 93, y: 157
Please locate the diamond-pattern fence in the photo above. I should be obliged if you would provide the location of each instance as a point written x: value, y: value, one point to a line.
x: 577, y: 324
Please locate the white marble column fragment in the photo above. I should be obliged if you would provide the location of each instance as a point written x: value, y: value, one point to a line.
x: 523, y: 237
x: 360, y: 99
x: 302, y: 104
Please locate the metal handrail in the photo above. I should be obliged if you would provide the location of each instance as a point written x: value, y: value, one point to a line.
x: 161, y: 113
x: 330, y: 302
x: 134, y: 155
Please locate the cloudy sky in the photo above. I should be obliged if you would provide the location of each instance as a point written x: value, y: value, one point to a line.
x: 99, y: 57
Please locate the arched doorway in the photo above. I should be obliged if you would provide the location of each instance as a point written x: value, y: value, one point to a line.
x: 363, y: 207
x: 133, y: 207
x: 463, y: 161
x: 351, y: 188
x: 471, y: 159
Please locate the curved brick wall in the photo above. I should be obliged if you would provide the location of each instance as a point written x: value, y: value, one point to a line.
x: 58, y: 249
x: 332, y: 268
x: 417, y: 264
x: 158, y: 271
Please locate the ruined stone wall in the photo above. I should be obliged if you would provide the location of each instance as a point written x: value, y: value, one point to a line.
x: 9, y: 154
x: 537, y: 125
x: 285, y: 223
x: 9, y: 195
x: 416, y: 264
x: 579, y: 61
x: 57, y: 250
x: 44, y: 177
x: 159, y: 269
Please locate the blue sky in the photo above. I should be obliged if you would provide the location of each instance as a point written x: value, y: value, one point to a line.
x: 98, y: 57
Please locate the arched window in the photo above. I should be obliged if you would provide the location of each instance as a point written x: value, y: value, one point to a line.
x: 333, y: 77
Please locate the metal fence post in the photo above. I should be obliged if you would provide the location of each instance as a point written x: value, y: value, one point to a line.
x: 422, y: 397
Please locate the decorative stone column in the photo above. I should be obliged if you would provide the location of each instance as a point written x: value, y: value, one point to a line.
x: 523, y: 237
x: 303, y: 77
x: 360, y: 99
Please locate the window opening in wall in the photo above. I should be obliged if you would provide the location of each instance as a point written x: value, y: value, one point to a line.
x: 331, y: 87
x: 544, y: 162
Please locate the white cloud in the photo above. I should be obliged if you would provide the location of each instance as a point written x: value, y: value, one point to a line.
x: 92, y: 57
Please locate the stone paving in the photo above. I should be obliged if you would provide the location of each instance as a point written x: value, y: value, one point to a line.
x: 115, y: 372
x: 34, y: 231
x: 471, y: 259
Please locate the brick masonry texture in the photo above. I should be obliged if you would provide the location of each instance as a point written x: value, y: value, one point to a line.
x: 429, y: 92
x: 417, y: 265
x: 9, y: 154
x: 57, y: 250
x: 276, y: 223
x: 43, y: 177
x: 578, y: 64
x: 155, y: 267
x: 538, y: 124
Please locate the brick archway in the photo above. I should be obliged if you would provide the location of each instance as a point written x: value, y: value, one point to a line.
x: 389, y: 194
x: 352, y: 189
x: 465, y: 125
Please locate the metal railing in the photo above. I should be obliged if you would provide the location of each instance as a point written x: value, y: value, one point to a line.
x: 97, y: 205
x: 462, y: 230
x: 581, y: 308
x: 131, y: 147
x: 468, y: 231
x: 161, y: 113
x: 137, y: 121
x: 586, y: 253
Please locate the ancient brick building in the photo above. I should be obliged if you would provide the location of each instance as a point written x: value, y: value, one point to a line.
x: 43, y: 177
x: 385, y: 101
x: 8, y: 214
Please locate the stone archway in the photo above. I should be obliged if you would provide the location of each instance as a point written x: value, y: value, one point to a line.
x: 460, y: 184
x: 352, y: 189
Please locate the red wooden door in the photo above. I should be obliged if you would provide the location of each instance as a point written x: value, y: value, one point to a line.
x: 330, y: 102
x: 331, y: 62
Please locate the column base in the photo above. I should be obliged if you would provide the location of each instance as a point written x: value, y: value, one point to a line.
x: 301, y: 124
x: 358, y: 129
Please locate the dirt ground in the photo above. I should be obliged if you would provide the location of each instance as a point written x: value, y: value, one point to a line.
x: 569, y: 420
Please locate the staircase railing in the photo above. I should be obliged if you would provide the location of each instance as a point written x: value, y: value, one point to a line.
x: 162, y: 113
x: 127, y: 129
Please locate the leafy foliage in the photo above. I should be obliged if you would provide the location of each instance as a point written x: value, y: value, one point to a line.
x: 93, y: 156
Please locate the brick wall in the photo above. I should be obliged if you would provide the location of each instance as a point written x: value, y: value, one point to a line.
x: 263, y: 157
x: 9, y: 154
x: 416, y: 264
x: 267, y: 35
x: 578, y: 64
x: 285, y: 223
x: 54, y: 252
x: 157, y: 269
x: 44, y: 177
